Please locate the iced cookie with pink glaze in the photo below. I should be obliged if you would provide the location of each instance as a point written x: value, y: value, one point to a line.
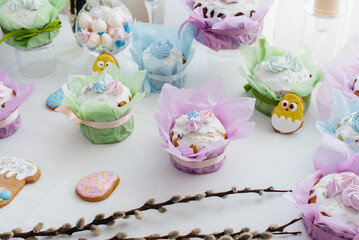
x: 97, y: 186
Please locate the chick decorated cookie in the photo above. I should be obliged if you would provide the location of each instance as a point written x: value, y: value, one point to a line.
x: 287, y: 116
x: 102, y: 61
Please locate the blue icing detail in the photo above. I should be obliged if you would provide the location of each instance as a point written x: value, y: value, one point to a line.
x: 127, y: 28
x: 192, y: 114
x: 120, y: 43
x: 355, y: 122
x: 5, y: 195
x: 56, y: 98
x: 78, y: 28
x: 99, y: 87
x: 161, y: 49
x: 101, y: 33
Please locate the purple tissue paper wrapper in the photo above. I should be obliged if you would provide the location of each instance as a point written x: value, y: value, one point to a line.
x: 340, y: 73
x: 230, y: 32
x: 232, y: 112
x: 332, y: 156
x: 23, y: 92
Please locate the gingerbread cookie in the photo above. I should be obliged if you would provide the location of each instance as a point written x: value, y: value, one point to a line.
x: 102, y: 62
x: 287, y: 116
x: 97, y: 186
x: 55, y: 99
x: 15, y: 173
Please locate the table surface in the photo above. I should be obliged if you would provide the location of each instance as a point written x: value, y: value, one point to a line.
x: 64, y: 156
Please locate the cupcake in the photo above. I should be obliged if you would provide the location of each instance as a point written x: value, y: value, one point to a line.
x: 157, y: 49
x: 329, y: 198
x: 6, y: 94
x: 280, y: 73
x: 226, y: 8
x: 12, y: 96
x: 104, y: 26
x: 341, y: 73
x: 197, y: 130
x: 226, y: 24
x: 348, y: 130
x: 272, y: 72
x: 343, y: 123
x: 16, y: 16
x: 107, y: 90
x: 102, y: 105
x: 198, y: 125
x: 337, y: 195
x: 164, y: 52
x: 356, y: 86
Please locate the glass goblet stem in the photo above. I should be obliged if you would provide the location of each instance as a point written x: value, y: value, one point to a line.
x: 151, y: 6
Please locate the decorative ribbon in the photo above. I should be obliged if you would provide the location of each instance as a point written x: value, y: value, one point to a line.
x: 166, y: 79
x: 75, y: 120
x: 264, y: 99
x: 210, y: 32
x: 9, y: 119
x: 202, y: 164
x: 25, y: 35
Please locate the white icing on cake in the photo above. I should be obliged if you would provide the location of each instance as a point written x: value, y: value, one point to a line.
x: 348, y: 133
x: 23, y: 11
x: 356, y: 85
x: 174, y: 56
x: 285, y: 125
x: 228, y: 7
x: 280, y: 82
x: 334, y: 206
x: 211, y: 132
x: 113, y: 98
x: 17, y: 166
x: 6, y: 94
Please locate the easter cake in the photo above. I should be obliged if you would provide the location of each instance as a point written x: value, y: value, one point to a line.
x: 223, y: 8
x: 337, y: 195
x: 197, y: 130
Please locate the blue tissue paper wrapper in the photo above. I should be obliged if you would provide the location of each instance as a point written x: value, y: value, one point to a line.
x: 341, y: 107
x: 159, y: 73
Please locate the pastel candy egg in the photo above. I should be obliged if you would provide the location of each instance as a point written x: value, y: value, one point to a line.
x: 94, y: 40
x: 99, y: 26
x: 115, y: 20
x: 106, y: 40
x: 85, y: 20
x: 5, y: 195
x: 124, y: 15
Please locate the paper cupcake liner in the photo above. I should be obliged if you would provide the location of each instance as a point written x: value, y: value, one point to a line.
x: 11, y: 128
x: 195, y: 167
x: 157, y: 81
x: 317, y: 233
x: 267, y: 108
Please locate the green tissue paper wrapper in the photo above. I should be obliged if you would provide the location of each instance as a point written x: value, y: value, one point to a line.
x: 102, y: 112
x: 47, y: 13
x: 260, y: 52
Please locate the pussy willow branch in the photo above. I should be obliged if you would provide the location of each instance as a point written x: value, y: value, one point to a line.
x: 226, y: 234
x: 68, y: 229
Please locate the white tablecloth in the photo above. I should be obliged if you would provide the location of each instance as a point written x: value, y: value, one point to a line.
x: 64, y: 156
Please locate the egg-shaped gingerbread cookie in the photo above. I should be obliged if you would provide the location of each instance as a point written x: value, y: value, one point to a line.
x: 97, y: 186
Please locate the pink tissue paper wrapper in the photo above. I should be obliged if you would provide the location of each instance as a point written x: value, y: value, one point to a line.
x: 332, y: 156
x: 229, y: 32
x: 340, y: 73
x: 23, y: 92
x: 232, y: 112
